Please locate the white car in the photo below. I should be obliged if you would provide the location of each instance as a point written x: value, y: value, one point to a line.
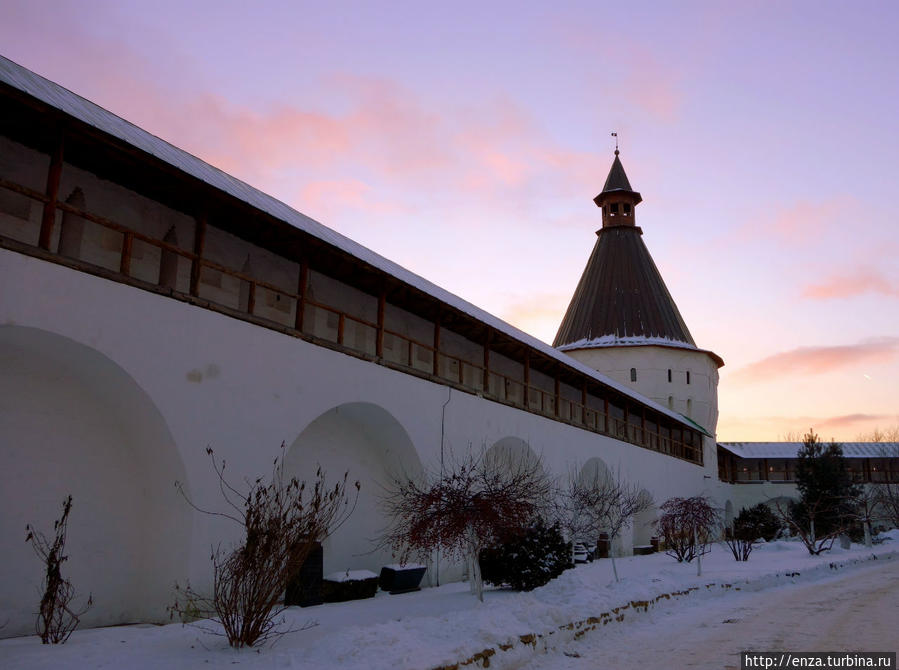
x: 581, y: 555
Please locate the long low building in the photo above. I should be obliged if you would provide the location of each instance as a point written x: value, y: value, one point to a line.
x: 152, y: 305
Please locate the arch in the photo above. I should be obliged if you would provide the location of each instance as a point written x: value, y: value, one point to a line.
x: 783, y: 501
x: 728, y: 514
x: 366, y: 441
x: 644, y: 522
x: 594, y: 470
x: 512, y: 453
x: 74, y: 422
x: 593, y: 473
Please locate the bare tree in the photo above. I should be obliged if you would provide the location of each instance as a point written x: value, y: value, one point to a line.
x: 602, y: 503
x: 57, y: 619
x: 864, y: 510
x: 813, y: 542
x: 475, y: 501
x: 886, y: 492
x: 281, y: 521
x: 888, y: 434
x: 688, y: 526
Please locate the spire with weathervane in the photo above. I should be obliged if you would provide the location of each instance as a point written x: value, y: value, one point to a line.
x: 617, y: 200
x: 621, y: 296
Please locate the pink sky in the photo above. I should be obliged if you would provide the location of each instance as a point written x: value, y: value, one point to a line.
x: 467, y: 141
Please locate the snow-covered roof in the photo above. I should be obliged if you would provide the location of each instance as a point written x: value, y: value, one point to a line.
x: 87, y: 112
x: 628, y: 341
x: 791, y: 449
x: 635, y: 341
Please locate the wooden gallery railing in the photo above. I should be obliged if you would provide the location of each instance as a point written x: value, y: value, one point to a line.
x: 328, y: 326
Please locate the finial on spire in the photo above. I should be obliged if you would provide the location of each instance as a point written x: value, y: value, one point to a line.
x: 615, y: 135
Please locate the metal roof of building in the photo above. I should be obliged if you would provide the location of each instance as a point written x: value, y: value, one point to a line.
x: 791, y: 449
x: 617, y: 178
x: 72, y: 104
x: 622, y: 294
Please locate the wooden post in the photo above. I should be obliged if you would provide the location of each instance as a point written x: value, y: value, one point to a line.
x: 527, y: 378
x: 379, y: 341
x: 436, y: 362
x: 627, y: 423
x: 584, y: 403
x: 341, y: 319
x: 558, y: 401
x: 302, y: 284
x: 605, y: 411
x: 251, y: 298
x: 196, y: 263
x: 767, y: 475
x: 487, y: 361
x: 643, y: 426
x: 125, y: 264
x: 52, y: 192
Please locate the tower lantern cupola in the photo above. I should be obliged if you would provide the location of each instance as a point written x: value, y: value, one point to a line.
x: 617, y: 199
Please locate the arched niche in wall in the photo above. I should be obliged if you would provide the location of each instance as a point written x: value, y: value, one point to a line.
x: 74, y: 422
x: 366, y: 441
x: 781, y: 502
x: 644, y: 521
x: 511, y: 454
x: 594, y: 473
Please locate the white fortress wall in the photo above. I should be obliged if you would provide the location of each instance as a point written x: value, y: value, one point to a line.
x: 178, y: 378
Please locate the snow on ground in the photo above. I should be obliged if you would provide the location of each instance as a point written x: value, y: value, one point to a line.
x: 849, y: 610
x: 446, y: 625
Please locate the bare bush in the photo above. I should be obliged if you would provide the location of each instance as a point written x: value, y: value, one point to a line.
x: 57, y: 619
x: 281, y: 521
x: 688, y: 526
x: 475, y: 501
x: 602, y: 503
x: 740, y: 545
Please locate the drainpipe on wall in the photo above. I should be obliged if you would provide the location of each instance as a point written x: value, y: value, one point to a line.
x: 449, y: 396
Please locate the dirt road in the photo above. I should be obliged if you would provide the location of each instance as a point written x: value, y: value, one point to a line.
x: 855, y: 610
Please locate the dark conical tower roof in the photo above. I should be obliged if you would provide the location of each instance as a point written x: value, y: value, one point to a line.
x: 621, y: 297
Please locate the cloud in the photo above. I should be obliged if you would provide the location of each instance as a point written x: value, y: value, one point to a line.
x: 818, y: 360
x: 641, y: 82
x: 385, y: 135
x: 652, y: 86
x: 485, y: 154
x: 322, y: 199
x: 859, y: 282
x: 851, y: 420
x: 797, y: 224
x: 539, y: 314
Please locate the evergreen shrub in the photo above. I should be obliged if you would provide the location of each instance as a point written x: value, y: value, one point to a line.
x: 527, y: 559
x: 757, y: 522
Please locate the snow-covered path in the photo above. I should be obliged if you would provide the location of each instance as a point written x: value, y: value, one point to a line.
x: 857, y: 611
